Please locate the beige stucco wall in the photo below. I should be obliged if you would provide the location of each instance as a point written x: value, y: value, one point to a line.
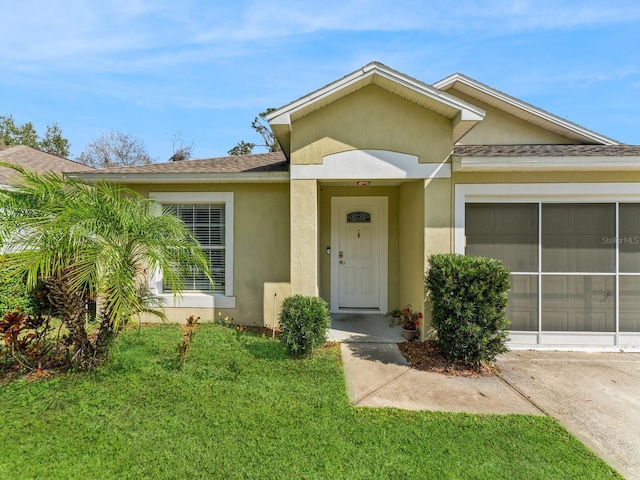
x: 260, y: 246
x: 500, y: 128
x: 325, y: 195
x: 273, y: 295
x: 438, y: 208
x: 371, y: 118
x: 438, y: 229
x: 411, y: 244
x: 304, y: 237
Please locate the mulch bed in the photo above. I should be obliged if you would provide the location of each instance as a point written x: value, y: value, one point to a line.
x: 426, y: 356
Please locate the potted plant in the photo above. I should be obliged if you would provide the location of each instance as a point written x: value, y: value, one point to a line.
x: 410, y: 322
x: 396, y: 317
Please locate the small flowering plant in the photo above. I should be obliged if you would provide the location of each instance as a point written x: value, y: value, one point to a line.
x: 396, y: 317
x: 410, y: 319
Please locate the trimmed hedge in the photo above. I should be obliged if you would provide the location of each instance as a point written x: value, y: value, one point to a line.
x: 304, y: 322
x: 469, y: 297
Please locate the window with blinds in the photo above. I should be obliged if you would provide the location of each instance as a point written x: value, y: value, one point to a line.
x: 207, y: 222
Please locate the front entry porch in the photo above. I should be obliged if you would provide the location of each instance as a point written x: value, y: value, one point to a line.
x: 363, y: 328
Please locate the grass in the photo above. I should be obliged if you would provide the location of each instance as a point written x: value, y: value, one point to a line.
x: 240, y: 408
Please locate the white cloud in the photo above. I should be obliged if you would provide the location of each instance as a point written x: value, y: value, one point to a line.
x: 142, y: 35
x: 282, y: 18
x: 192, y: 54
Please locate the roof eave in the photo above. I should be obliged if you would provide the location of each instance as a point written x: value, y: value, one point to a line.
x: 281, y: 128
x: 451, y: 81
x: 282, y: 118
x: 187, y: 178
x: 463, y: 123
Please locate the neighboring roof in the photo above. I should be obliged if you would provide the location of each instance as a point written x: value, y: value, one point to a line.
x: 463, y: 114
x: 264, y: 166
x: 521, y: 109
x: 34, y: 160
x: 546, y: 150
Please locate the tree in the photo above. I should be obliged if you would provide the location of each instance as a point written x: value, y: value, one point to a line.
x: 53, y: 141
x: 262, y: 128
x: 85, y: 241
x: 242, y: 148
x: 115, y: 149
x: 181, y: 151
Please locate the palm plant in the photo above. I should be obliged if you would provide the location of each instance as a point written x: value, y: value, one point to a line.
x: 86, y: 241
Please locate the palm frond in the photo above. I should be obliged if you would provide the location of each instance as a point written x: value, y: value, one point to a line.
x: 101, y: 236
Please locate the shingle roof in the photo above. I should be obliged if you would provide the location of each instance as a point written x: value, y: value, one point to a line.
x: 547, y: 150
x: 34, y: 160
x: 262, y: 162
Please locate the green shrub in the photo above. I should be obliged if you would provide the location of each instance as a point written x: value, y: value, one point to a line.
x: 14, y: 293
x: 304, y: 322
x: 469, y: 297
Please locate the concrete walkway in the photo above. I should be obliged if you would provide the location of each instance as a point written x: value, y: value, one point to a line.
x: 362, y: 327
x: 377, y: 375
x: 596, y: 396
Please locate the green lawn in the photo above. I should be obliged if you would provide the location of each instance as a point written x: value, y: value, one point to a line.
x: 240, y: 408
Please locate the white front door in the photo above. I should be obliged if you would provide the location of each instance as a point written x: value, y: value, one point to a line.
x: 359, y: 253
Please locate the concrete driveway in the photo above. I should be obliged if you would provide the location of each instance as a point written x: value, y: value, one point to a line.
x: 596, y: 396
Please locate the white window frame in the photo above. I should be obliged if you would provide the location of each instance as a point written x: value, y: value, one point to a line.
x: 199, y: 299
x: 549, y: 193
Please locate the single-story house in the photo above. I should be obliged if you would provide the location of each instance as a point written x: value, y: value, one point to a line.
x: 378, y: 172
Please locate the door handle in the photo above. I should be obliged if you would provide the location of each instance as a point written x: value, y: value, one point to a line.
x: 342, y: 262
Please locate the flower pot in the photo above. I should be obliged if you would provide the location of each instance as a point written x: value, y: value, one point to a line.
x: 409, y: 335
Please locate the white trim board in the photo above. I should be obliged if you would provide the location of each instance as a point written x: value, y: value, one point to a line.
x: 370, y: 165
x: 532, y: 164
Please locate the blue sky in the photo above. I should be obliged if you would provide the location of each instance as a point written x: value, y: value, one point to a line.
x: 155, y: 68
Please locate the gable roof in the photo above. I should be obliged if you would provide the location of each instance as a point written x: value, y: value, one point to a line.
x: 522, y: 110
x: 35, y: 160
x: 463, y: 115
x: 262, y: 167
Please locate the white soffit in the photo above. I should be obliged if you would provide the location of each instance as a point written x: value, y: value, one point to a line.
x: 521, y: 109
x: 463, y: 114
x: 370, y: 165
x: 548, y: 164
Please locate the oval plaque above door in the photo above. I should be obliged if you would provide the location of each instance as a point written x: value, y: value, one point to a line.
x: 359, y: 217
